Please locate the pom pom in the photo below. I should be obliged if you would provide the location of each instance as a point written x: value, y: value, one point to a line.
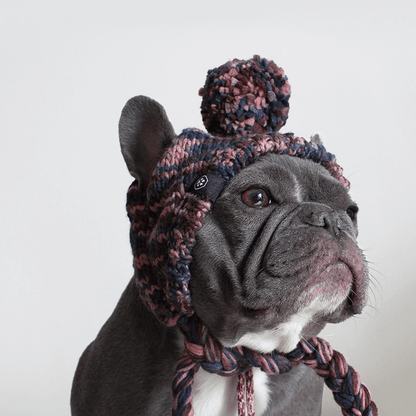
x: 245, y: 97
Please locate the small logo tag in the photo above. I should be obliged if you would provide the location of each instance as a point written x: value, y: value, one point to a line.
x: 201, y: 183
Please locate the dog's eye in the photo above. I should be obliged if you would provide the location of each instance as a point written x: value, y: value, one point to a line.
x: 352, y: 212
x: 256, y: 198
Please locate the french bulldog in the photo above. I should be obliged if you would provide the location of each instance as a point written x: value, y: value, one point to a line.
x: 275, y: 260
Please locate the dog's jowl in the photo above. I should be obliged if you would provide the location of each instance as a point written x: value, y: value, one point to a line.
x: 244, y: 247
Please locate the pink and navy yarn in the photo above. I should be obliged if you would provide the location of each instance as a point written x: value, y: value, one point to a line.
x: 166, y: 216
x: 245, y: 97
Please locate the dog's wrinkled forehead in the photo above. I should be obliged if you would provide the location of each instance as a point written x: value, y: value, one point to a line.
x: 286, y: 171
x: 285, y: 175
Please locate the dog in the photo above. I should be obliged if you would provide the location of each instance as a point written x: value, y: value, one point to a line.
x: 274, y: 260
x: 284, y: 231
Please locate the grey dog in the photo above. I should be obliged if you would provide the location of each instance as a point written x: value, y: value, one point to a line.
x: 283, y: 226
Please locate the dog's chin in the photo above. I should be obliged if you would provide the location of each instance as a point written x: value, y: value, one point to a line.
x: 267, y: 341
x: 284, y: 338
x: 302, y: 325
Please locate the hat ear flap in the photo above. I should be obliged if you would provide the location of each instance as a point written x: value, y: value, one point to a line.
x: 145, y: 132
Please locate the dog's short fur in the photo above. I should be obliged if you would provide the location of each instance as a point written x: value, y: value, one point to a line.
x: 275, y: 260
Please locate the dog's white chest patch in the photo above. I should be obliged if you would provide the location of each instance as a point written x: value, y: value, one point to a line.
x: 215, y: 395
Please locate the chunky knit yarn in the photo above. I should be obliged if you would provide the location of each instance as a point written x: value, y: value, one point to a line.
x: 166, y: 216
x: 244, y: 97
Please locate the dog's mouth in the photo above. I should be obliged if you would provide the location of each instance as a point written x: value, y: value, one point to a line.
x: 334, y: 270
x: 332, y: 294
x: 340, y: 290
x: 339, y: 294
x: 355, y: 299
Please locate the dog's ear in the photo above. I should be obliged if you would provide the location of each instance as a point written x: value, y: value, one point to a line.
x: 145, y: 132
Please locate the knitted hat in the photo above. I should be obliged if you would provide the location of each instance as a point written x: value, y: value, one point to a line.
x: 244, y: 105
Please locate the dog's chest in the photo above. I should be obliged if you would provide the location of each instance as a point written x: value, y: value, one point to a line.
x: 215, y: 395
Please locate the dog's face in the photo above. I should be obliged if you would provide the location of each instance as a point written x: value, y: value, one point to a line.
x: 276, y: 258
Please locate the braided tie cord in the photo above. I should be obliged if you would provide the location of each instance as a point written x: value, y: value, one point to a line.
x: 353, y: 397
x: 342, y: 379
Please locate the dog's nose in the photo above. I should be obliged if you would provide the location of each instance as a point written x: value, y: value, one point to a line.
x: 319, y: 215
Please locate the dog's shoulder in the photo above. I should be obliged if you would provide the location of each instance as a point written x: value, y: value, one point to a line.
x: 132, y: 355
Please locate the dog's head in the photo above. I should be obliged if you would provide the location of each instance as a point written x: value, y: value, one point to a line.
x: 266, y: 254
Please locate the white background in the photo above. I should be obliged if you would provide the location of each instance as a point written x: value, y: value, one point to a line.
x: 68, y: 67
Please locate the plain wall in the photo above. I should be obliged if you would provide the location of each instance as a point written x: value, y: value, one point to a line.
x: 67, y: 69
